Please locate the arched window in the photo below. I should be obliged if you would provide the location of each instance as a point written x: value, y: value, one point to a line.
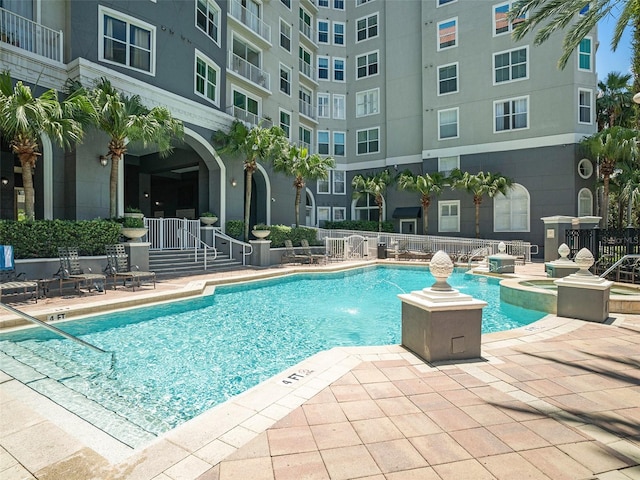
x: 366, y: 208
x: 511, y: 212
x: 585, y: 202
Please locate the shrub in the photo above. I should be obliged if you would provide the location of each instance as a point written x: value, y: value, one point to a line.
x: 360, y: 225
x: 130, y: 209
x: 235, y: 228
x: 132, y: 222
x: 280, y: 233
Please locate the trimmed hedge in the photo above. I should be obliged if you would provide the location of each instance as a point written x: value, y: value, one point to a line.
x: 41, y: 238
x: 360, y: 225
x: 279, y: 233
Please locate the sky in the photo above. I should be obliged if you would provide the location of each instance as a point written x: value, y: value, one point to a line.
x: 607, y: 60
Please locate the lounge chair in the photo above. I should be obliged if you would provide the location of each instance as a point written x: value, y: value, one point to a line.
x: 313, y: 257
x: 70, y: 271
x: 119, y: 269
x: 10, y: 282
x: 291, y: 256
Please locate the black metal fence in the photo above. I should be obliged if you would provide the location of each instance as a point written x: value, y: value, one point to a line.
x: 611, y: 242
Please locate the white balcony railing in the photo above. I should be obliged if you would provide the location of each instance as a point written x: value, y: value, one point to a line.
x: 306, y: 29
x: 249, y: 71
x: 250, y: 20
x: 30, y: 36
x: 306, y: 109
x: 307, y: 70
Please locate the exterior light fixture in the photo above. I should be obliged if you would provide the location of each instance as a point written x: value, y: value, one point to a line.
x: 103, y: 160
x: 145, y: 194
x: 233, y: 182
x: 5, y: 181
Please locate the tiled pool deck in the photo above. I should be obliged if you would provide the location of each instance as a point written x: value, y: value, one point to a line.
x: 557, y: 399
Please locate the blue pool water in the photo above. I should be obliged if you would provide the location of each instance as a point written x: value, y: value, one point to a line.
x: 177, y: 360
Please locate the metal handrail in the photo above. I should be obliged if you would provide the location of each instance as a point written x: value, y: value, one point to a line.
x: 195, y: 248
x: 245, y: 246
x: 618, y: 263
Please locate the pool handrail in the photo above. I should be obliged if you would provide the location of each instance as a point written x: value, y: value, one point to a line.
x: 626, y: 257
x: 247, y: 248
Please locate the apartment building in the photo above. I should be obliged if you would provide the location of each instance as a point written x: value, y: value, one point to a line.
x: 424, y: 85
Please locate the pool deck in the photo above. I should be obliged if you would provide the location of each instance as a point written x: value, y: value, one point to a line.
x: 558, y: 399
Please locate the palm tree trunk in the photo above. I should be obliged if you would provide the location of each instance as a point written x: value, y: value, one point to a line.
x: 247, y: 201
x: 113, y: 186
x: 605, y: 200
x: 27, y: 183
x: 297, y: 205
x: 477, y: 219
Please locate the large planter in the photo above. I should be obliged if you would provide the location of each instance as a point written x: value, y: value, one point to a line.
x: 208, y: 221
x: 134, y: 234
x: 260, y: 234
x: 133, y: 215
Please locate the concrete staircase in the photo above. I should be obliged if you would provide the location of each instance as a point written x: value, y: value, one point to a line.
x: 182, y: 262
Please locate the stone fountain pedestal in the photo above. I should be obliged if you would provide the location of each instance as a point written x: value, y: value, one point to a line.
x: 561, y: 267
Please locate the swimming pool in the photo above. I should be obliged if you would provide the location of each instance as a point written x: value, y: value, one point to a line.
x: 177, y: 360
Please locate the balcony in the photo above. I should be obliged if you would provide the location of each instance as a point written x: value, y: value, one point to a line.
x: 249, y: 71
x: 30, y: 36
x: 250, y: 20
x: 306, y: 30
x: 307, y: 70
x: 250, y: 119
x: 306, y: 109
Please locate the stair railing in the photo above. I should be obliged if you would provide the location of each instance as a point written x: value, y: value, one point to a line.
x: 197, y: 245
x: 617, y: 264
x: 247, y: 248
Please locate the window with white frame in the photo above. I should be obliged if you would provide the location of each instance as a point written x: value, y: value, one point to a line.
x: 339, y: 106
x: 366, y: 208
x: 127, y: 41
x: 323, y: 142
x: 585, y: 168
x: 339, y: 214
x: 367, y: 65
x: 338, y: 4
x: 367, y: 102
x: 338, y: 144
x: 304, y: 138
x: 339, y: 182
x: 444, y: 2
x: 285, y: 79
x: 323, y: 3
x: 448, y: 79
x: 449, y: 216
x: 324, y: 214
x: 286, y: 3
x: 338, y: 70
x: 368, y: 141
x: 338, y: 33
x: 245, y: 107
x: 285, y: 122
x: 448, y: 33
x: 510, y: 65
x: 207, y: 76
x: 362, y: 2
x: 304, y: 61
x: 324, y: 108
x: 585, y: 100
x: 511, y: 211
x: 323, y: 31
x: 447, y: 164
x: 584, y: 54
x: 585, y: 203
x: 305, y: 23
x: 323, y: 68
x: 367, y: 27
x: 305, y: 104
x: 285, y: 35
x: 323, y: 186
x: 448, y: 123
x: 208, y: 18
x: 511, y: 114
x: 501, y: 22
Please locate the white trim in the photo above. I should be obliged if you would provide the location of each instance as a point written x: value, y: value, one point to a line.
x: 366, y: 55
x: 457, y: 77
x: 328, y: 143
x: 510, y: 129
x: 442, y: 203
x: 511, y: 80
x: 333, y: 143
x: 47, y: 170
x: 444, y: 4
x: 344, y: 34
x: 287, y: 68
x: 333, y: 182
x: 280, y: 23
x: 365, y: 92
x: 590, y: 212
x: 328, y: 59
x: 328, y: 104
x: 219, y: 25
x: 212, y: 64
x: 337, y: 209
x: 368, y: 140
x: 409, y: 221
x: 438, y: 47
x: 312, y: 208
x: 591, y: 55
x: 508, y: 200
x: 324, y: 209
x: 585, y: 161
x: 591, y: 109
x: 267, y: 186
x: 366, y: 18
x: 334, y: 70
x: 288, y: 112
x: 329, y: 31
x: 457, y: 110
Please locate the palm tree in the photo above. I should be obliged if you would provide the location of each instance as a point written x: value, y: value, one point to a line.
x: 253, y: 144
x: 610, y: 147
x: 125, y: 119
x: 301, y: 165
x: 479, y: 185
x: 548, y: 16
x: 629, y: 179
x: 614, y: 99
x: 24, y: 118
x: 426, y: 185
x: 375, y: 185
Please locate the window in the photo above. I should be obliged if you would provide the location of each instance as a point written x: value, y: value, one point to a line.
x: 324, y: 110
x: 511, y: 211
x: 585, y: 202
x: 304, y: 136
x: 362, y: 2
x: 449, y: 216
x: 339, y: 182
x: 585, y: 168
x: 324, y: 213
x: 285, y: 79
x: 501, y: 23
x: 323, y: 68
x: 304, y: 61
x: 367, y: 209
x: 286, y: 3
x: 338, y: 4
x: 323, y: 31
x: 510, y: 65
x: 511, y: 114
x: 245, y: 107
x: 584, y: 106
x: 206, y: 78
x: 447, y: 33
x: 448, y: 79
x: 127, y: 41
x: 338, y: 33
x: 444, y: 2
x: 323, y: 142
x: 338, y: 69
x: 305, y: 105
x: 584, y: 10
x: 447, y: 164
x: 338, y: 107
x: 208, y: 18
x: 323, y: 3
x: 285, y: 35
x: 368, y: 141
x: 305, y: 23
x: 338, y: 146
x: 584, y: 54
x: 323, y: 185
x: 448, y: 123
x: 339, y: 214
x: 367, y: 27
x: 367, y: 65
x: 285, y: 122
x: 367, y: 102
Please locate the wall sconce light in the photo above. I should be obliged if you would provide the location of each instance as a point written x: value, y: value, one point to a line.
x: 233, y: 182
x: 5, y: 181
x: 145, y: 194
x: 158, y: 204
x: 103, y: 160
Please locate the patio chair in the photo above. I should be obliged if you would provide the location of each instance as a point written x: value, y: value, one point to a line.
x: 119, y: 269
x: 71, y: 271
x: 313, y: 257
x: 11, y: 283
x: 291, y: 256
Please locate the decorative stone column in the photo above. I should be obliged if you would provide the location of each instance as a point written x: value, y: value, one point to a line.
x: 261, y: 253
x: 555, y: 230
x: 583, y: 295
x: 138, y: 254
x: 562, y: 266
x: 502, y: 262
x: 439, y: 323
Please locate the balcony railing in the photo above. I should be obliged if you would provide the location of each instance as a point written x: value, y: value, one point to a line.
x: 306, y: 29
x: 250, y: 20
x: 249, y: 71
x: 306, y: 109
x: 307, y: 70
x: 30, y: 36
x: 249, y: 118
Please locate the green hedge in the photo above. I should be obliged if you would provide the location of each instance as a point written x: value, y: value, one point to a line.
x: 279, y: 233
x: 41, y: 238
x: 360, y: 225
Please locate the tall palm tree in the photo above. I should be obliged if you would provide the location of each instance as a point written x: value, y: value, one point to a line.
x: 302, y: 166
x: 375, y: 185
x: 610, y: 147
x: 426, y: 185
x: 479, y: 185
x: 614, y: 98
x: 24, y: 117
x: 253, y: 144
x: 125, y: 119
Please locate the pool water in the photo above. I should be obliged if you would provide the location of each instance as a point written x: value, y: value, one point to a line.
x: 177, y: 360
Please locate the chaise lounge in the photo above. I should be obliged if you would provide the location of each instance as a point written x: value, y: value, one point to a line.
x: 119, y: 269
x: 10, y: 282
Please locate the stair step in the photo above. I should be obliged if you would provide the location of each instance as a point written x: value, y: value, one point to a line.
x: 183, y: 262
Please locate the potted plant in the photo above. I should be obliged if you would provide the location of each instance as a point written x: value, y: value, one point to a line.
x: 208, y: 218
x: 261, y: 231
x: 132, y: 212
x: 133, y: 228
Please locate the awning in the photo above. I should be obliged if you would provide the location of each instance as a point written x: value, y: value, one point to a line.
x: 407, y: 212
